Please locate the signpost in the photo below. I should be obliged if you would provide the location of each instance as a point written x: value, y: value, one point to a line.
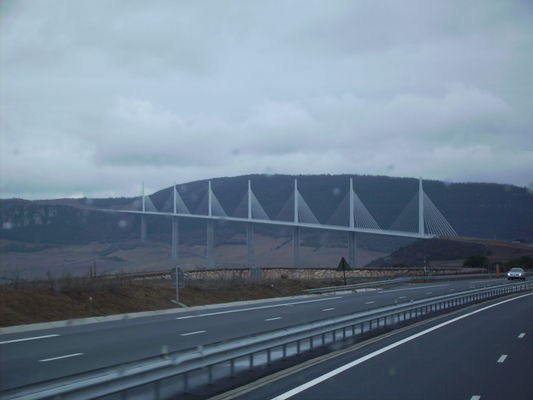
x: 179, y: 281
x: 344, y: 266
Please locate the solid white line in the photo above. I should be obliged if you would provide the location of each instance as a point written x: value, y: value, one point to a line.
x: 475, y: 397
x: 186, y: 317
x: 192, y: 333
x: 328, y: 309
x: 521, y: 336
x: 60, y: 357
x: 502, y: 358
x: 351, y: 364
x: 370, y: 302
x: 415, y: 288
x: 273, y: 319
x: 26, y: 339
x: 262, y: 307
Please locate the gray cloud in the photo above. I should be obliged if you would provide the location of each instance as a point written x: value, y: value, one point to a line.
x: 97, y: 96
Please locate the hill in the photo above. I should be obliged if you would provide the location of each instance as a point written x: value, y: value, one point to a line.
x: 473, y: 209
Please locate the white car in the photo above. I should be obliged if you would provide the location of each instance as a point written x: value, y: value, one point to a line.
x: 516, y: 273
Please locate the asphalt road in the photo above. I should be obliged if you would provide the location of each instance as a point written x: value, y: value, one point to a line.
x: 41, y: 355
x: 482, y: 353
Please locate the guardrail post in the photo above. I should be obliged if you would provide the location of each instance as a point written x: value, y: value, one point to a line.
x: 298, y: 347
x: 232, y: 368
x: 157, y: 389
x: 251, y: 361
x: 269, y: 357
x: 284, y: 352
x: 185, y: 381
x: 210, y: 375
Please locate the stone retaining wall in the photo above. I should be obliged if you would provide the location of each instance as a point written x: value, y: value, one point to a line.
x: 318, y: 273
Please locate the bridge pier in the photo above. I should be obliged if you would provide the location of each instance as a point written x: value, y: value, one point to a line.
x: 143, y: 228
x: 255, y: 271
x: 352, y: 248
x: 210, y: 243
x: 296, y: 247
x: 175, y: 240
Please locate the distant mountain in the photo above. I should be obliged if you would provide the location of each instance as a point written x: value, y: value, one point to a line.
x: 474, y: 209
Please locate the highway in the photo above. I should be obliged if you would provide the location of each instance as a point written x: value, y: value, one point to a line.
x: 481, y: 353
x: 40, y: 355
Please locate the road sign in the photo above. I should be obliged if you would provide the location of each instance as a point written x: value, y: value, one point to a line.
x: 343, y: 265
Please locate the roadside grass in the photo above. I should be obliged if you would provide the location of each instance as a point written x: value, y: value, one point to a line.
x: 74, y: 297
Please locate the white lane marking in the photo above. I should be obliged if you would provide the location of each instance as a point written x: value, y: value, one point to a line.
x: 370, y: 302
x: 61, y: 357
x: 521, y: 336
x: 402, y: 297
x: 322, y: 378
x: 475, y: 397
x: 502, y: 358
x: 26, y: 339
x: 415, y: 288
x: 262, y: 307
x: 273, y: 318
x: 192, y: 333
x: 186, y: 317
x: 328, y: 309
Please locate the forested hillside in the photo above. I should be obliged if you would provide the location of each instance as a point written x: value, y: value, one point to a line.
x: 473, y: 209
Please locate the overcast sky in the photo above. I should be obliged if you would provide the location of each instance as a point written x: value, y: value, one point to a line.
x: 98, y: 96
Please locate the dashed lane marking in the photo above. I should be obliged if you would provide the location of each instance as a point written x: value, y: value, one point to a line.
x: 192, y: 333
x: 61, y: 357
x: 260, y: 307
x: 26, y: 339
x: 502, y: 358
x: 521, y: 336
x: 273, y: 318
x: 328, y: 309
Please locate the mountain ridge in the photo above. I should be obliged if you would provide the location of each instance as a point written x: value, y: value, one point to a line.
x: 474, y: 209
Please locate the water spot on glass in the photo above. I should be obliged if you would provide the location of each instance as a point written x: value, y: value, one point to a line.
x: 7, y: 225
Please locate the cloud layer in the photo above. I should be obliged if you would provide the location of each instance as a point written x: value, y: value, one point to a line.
x: 99, y: 96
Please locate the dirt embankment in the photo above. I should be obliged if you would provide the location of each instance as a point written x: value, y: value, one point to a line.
x: 78, y: 298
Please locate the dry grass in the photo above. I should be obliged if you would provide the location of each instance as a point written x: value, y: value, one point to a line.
x: 70, y: 298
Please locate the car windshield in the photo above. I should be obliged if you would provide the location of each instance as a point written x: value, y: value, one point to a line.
x: 199, y: 197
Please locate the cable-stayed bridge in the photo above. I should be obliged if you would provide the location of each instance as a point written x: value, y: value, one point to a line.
x: 420, y: 219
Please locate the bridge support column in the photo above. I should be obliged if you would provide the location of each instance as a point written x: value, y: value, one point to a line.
x: 352, y: 248
x: 210, y: 243
x: 175, y: 240
x: 255, y: 272
x: 296, y: 247
x: 143, y: 228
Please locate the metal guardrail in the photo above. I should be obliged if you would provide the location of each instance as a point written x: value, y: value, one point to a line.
x: 157, y: 377
x: 339, y: 288
x: 329, y: 289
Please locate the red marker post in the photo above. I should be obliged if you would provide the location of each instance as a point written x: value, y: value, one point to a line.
x: 497, y: 270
